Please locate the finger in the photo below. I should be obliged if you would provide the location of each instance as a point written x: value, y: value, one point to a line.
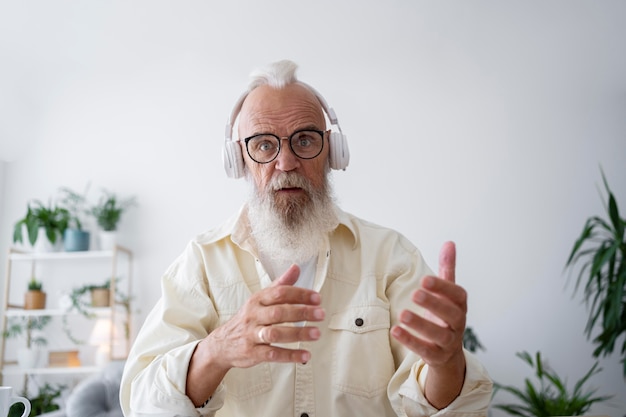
x: 428, y: 351
x: 289, y: 277
x: 446, y: 311
x: 288, y: 313
x: 270, y: 353
x: 286, y: 294
x: 446, y: 290
x: 413, y: 340
x: 418, y: 333
x: 286, y: 334
x: 282, y: 290
x: 447, y: 261
x: 261, y: 335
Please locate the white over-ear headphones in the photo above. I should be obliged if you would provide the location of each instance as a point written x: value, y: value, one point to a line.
x: 339, y: 155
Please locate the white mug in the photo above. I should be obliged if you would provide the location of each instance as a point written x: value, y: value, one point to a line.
x: 7, y: 399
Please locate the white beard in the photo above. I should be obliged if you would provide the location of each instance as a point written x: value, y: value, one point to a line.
x: 291, y: 231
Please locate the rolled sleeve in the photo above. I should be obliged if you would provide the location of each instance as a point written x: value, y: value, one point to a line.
x: 473, y: 401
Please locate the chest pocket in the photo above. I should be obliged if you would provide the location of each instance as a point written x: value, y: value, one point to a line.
x: 243, y: 384
x: 362, y: 359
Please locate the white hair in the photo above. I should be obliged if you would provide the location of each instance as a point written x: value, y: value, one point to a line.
x: 277, y: 75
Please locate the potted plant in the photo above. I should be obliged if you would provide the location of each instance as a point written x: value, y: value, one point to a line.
x: 550, y: 397
x: 48, y: 221
x: 108, y: 213
x: 75, y: 238
x: 78, y: 303
x: 29, y: 356
x: 34, y: 298
x: 99, y: 296
x: 43, y: 402
x: 601, y: 248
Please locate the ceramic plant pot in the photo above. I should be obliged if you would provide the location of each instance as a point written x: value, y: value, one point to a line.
x: 107, y: 239
x: 34, y: 300
x: 75, y: 240
x: 43, y: 244
x: 100, y: 297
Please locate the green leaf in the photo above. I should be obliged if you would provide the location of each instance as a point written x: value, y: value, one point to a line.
x: 600, y: 253
x: 549, y: 396
x: 32, y: 226
x: 525, y: 356
x: 17, y: 231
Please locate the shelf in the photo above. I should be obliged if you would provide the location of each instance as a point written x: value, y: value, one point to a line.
x: 19, y: 312
x: 17, y: 255
x: 117, y: 314
x: 16, y: 370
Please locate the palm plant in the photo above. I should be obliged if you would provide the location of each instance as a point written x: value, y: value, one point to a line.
x: 551, y: 396
x: 601, y: 248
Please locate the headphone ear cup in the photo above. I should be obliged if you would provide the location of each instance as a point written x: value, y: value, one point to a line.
x: 339, y: 152
x: 233, y: 159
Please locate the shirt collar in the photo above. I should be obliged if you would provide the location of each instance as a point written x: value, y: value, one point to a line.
x: 238, y: 228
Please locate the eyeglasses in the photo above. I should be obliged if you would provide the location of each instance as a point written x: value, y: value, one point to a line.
x: 265, y: 147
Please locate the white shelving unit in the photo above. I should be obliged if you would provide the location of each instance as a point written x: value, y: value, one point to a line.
x: 93, y: 260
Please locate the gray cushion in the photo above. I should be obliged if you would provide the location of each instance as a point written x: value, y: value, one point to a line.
x: 98, y: 395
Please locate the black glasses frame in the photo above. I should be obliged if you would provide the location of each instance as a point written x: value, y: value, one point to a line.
x: 280, y: 143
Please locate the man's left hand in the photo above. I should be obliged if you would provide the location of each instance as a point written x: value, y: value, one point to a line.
x: 437, y: 336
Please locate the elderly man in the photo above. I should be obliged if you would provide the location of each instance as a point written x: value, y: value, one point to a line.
x: 294, y: 307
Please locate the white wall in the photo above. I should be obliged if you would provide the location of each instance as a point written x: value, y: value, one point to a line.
x: 483, y: 122
x: 2, y: 199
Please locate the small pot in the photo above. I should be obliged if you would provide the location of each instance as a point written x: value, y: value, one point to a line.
x: 107, y: 239
x: 100, y: 297
x: 28, y: 358
x: 34, y: 300
x: 75, y: 240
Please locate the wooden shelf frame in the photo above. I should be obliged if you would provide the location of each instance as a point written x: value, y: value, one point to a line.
x: 13, y: 310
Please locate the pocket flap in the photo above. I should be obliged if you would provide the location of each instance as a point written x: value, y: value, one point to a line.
x: 361, y: 319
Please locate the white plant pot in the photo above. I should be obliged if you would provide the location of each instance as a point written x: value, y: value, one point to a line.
x: 29, y: 358
x: 43, y: 244
x: 107, y: 239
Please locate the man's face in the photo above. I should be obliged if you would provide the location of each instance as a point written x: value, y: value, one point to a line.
x: 282, y: 112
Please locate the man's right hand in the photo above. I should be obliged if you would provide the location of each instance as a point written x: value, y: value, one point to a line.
x: 246, y: 339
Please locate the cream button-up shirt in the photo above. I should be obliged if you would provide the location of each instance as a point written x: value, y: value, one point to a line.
x: 365, y: 275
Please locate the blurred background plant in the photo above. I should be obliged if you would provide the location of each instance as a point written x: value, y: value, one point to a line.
x: 470, y: 341
x: 601, y: 248
x: 43, y: 402
x: 53, y: 219
x: 550, y: 397
x: 109, y: 210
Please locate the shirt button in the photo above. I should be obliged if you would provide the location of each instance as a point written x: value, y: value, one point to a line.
x: 359, y: 322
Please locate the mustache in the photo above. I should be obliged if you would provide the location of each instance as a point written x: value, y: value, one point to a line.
x: 289, y: 180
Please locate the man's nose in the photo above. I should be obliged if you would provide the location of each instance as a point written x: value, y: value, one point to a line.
x: 286, y: 159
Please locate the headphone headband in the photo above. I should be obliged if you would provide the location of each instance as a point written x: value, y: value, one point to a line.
x: 330, y: 112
